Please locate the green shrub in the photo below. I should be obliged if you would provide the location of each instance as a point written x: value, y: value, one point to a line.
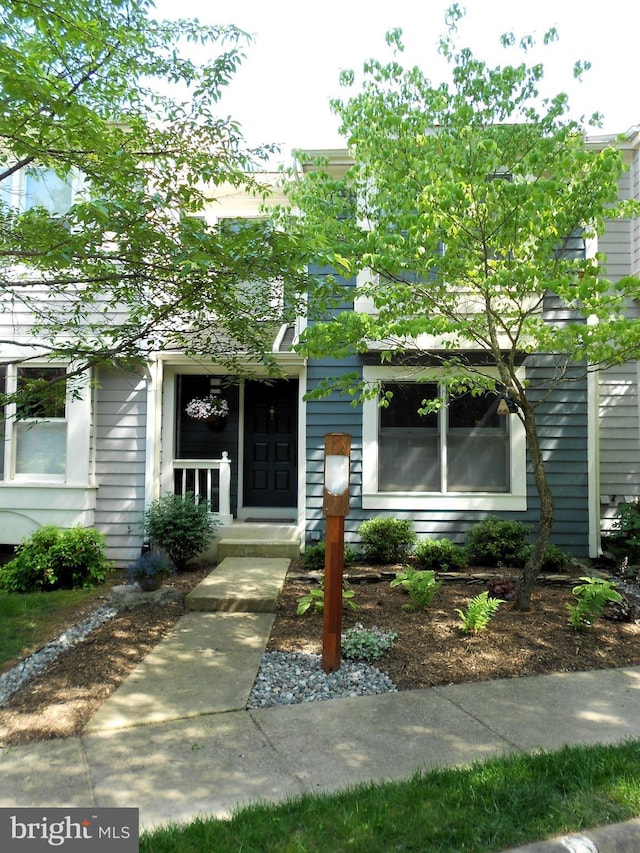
x: 495, y: 541
x: 625, y: 539
x: 592, y: 596
x: 386, y: 539
x: 440, y: 554
x: 421, y: 586
x: 480, y: 611
x: 360, y: 643
x: 555, y: 559
x: 313, y: 557
x: 56, y: 559
x: 314, y: 600
x: 180, y: 526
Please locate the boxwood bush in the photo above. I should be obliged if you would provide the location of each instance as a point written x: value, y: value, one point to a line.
x: 313, y: 557
x: 52, y: 558
x: 555, y: 559
x: 495, y: 540
x: 181, y: 526
x: 440, y: 555
x: 386, y: 539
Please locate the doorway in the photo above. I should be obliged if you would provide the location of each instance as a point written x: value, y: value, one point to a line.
x: 270, y: 443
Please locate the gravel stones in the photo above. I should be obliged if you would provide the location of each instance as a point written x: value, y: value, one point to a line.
x: 121, y: 598
x: 283, y: 679
x: 290, y: 679
x: 35, y: 664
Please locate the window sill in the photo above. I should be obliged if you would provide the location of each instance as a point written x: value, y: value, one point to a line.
x: 42, y: 482
x: 461, y: 501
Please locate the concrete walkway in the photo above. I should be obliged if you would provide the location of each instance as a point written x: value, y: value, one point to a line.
x: 175, y: 741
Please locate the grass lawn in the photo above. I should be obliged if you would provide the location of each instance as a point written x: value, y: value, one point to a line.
x: 488, y: 806
x: 29, y: 621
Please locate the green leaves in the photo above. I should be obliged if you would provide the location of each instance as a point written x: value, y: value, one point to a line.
x: 592, y: 596
x: 109, y: 99
x: 479, y: 612
x: 505, y: 183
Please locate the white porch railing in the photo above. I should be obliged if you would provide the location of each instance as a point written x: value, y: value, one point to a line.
x: 209, y: 479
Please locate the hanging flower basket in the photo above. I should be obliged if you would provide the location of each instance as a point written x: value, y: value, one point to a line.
x: 211, y: 409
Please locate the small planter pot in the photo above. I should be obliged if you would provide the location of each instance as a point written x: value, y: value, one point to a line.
x: 151, y: 584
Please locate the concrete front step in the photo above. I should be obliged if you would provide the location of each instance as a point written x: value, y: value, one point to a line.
x: 241, y: 585
x: 286, y: 548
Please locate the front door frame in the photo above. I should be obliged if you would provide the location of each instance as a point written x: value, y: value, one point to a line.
x: 286, y: 513
x: 161, y: 431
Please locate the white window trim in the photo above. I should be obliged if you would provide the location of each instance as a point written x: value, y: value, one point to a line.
x: 16, y: 188
x: 78, y: 421
x: 372, y: 498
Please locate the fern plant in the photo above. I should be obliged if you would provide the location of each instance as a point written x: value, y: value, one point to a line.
x: 480, y: 611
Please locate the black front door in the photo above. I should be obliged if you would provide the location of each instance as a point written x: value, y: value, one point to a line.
x: 270, y: 446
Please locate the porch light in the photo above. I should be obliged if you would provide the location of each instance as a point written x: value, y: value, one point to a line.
x: 335, y: 504
x: 337, y: 453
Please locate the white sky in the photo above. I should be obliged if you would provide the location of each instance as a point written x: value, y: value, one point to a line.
x: 281, y: 94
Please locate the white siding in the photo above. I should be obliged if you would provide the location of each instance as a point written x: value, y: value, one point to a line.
x: 119, y: 436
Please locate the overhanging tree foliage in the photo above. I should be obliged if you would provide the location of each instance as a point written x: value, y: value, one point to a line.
x: 464, y: 217
x: 97, y: 93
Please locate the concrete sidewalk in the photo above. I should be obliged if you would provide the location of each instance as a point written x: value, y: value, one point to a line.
x: 175, y: 741
x: 208, y: 764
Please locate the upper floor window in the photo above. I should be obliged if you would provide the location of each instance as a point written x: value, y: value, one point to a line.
x: 44, y: 188
x: 39, y: 187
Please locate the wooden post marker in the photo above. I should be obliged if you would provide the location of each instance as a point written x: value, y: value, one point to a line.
x: 337, y: 449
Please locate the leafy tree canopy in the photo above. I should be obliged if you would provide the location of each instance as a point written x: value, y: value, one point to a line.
x: 467, y: 219
x: 469, y: 205
x: 98, y: 93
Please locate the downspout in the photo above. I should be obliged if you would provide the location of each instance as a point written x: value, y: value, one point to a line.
x: 153, y: 430
x: 593, y: 463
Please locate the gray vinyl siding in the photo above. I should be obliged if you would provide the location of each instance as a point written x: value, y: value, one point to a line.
x: 635, y: 189
x: 119, y: 435
x: 620, y: 241
x: 331, y: 414
x: 618, y: 396
x: 617, y: 244
x: 618, y: 413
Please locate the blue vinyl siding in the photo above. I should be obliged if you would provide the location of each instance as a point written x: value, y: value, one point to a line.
x: 562, y: 420
x: 331, y: 414
x: 562, y: 424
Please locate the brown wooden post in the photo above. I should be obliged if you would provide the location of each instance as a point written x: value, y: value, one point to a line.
x: 333, y: 580
x: 335, y: 506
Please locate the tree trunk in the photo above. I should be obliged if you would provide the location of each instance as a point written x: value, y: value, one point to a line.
x: 530, y: 572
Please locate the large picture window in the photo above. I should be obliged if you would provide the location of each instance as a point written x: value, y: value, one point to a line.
x: 464, y: 447
x: 462, y: 455
x: 35, y: 187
